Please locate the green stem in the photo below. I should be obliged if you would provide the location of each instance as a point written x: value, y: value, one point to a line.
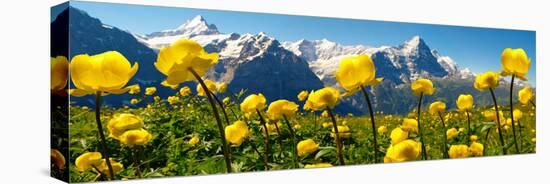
x: 373, y: 125
x: 519, y: 131
x: 293, y: 134
x: 512, y: 113
x: 225, y: 147
x: 136, y: 162
x: 497, y: 114
x: 445, y: 153
x: 102, y: 135
x: 337, y: 136
x: 222, y: 107
x: 424, y: 154
x: 279, y: 139
x: 532, y: 103
x: 469, y: 130
x: 266, y: 140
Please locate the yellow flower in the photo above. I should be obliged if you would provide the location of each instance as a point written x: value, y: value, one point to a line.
x: 172, y: 100
x: 475, y: 149
x: 490, y: 115
x: 121, y: 123
x: 222, y: 87
x: 252, y: 103
x: 406, y: 150
x: 461, y: 129
x: 87, y: 161
x: 236, y: 133
x: 452, y: 133
x: 319, y: 165
x: 515, y: 62
x: 176, y: 60
x: 271, y: 129
x: 57, y: 159
x: 397, y: 135
x: 59, y: 72
x: 458, y: 151
x: 382, y: 129
x: 422, y: 86
x: 486, y: 81
x: 303, y: 95
x: 307, y: 147
x: 324, y: 114
x: 211, y: 85
x: 156, y: 98
x: 326, y: 97
x: 134, y: 89
x: 355, y: 72
x: 104, y: 169
x: 326, y: 125
x: 410, y: 125
x: 136, y: 137
x: 150, y: 90
x: 194, y: 140
x: 465, y: 102
x: 185, y: 90
x: 473, y: 138
x: 343, y: 131
x: 437, y: 107
x: 297, y: 126
x: 134, y: 101
x: 525, y: 95
x: 107, y: 72
x: 517, y: 114
x: 280, y: 108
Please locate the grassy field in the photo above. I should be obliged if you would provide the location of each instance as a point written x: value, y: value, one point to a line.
x: 170, y: 152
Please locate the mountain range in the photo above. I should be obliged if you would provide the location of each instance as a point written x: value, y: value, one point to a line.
x: 260, y: 63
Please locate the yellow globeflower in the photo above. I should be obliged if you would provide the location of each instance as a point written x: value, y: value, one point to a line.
x: 473, y: 138
x: 87, y: 161
x: 490, y: 115
x: 222, y: 87
x: 236, y: 133
x: 303, y: 95
x: 307, y: 147
x: 211, y: 85
x: 134, y: 101
x: 323, y: 98
x: 185, y: 90
x: 156, y: 98
x: 326, y: 125
x: 410, y: 125
x: 280, y: 108
x: 150, y: 90
x: 57, y: 159
x: 475, y: 149
x: 319, y: 165
x: 271, y: 129
x: 104, y: 169
x: 136, y: 137
x: 515, y: 62
x: 194, y: 140
x: 382, y: 129
x: 397, y: 135
x: 525, y: 95
x: 486, y: 80
x: 406, y: 150
x: 252, y: 103
x: 121, y: 123
x: 458, y: 151
x: 422, y: 86
x: 465, y: 102
x: 107, y: 72
x: 134, y: 89
x: 452, y: 133
x: 173, y: 100
x: 354, y: 72
x: 517, y: 114
x: 343, y: 131
x: 437, y: 107
x: 324, y: 114
x: 59, y: 72
x: 175, y: 61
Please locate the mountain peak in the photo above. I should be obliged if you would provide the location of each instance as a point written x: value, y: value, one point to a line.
x: 414, y: 45
x: 198, y: 23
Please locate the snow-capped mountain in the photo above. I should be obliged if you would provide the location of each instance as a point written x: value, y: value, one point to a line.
x: 400, y: 64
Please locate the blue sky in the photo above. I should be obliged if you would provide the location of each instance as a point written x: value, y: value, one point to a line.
x: 476, y: 48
